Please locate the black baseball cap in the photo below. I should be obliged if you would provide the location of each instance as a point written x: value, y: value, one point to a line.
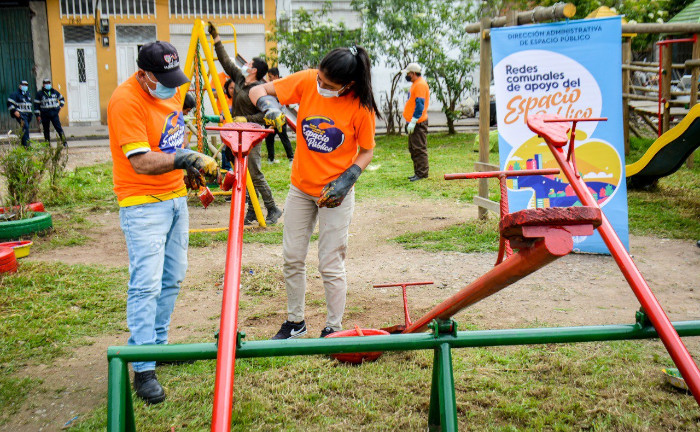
x: 162, y: 60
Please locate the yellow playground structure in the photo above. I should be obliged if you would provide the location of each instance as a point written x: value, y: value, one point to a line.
x: 199, y: 64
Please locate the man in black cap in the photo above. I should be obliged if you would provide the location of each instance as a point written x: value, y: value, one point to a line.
x: 146, y: 134
x: 47, y: 103
x: 19, y: 104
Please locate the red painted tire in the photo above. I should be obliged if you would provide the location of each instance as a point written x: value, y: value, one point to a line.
x: 9, y: 262
x: 7, y: 254
x: 37, y: 207
x: 357, y: 358
x: 8, y: 268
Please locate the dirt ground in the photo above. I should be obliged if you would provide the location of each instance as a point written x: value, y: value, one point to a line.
x: 575, y: 290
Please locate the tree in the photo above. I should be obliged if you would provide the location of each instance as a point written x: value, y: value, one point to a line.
x: 390, y: 27
x: 304, y: 38
x: 448, y: 52
x: 425, y: 31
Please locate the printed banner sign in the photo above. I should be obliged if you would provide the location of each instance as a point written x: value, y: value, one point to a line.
x: 572, y: 69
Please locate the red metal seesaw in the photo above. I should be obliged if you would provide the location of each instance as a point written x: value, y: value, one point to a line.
x: 240, y: 138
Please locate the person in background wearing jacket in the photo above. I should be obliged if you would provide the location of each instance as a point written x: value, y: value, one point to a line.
x: 242, y: 111
x: 47, y: 104
x: 416, y: 115
x: 272, y: 75
x: 19, y: 104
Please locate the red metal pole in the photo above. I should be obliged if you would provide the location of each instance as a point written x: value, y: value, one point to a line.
x: 674, y: 345
x: 226, y: 356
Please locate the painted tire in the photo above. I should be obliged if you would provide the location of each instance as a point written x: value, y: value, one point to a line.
x: 357, y: 358
x: 8, y: 268
x: 35, y: 207
x: 16, y: 229
x: 8, y: 262
x: 6, y: 254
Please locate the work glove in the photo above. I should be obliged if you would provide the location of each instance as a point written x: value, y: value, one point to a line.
x: 273, y: 112
x: 212, y: 30
x: 411, y: 126
x: 334, y: 192
x: 193, y: 181
x: 199, y: 166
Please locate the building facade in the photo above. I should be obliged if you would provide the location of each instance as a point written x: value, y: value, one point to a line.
x: 93, y: 45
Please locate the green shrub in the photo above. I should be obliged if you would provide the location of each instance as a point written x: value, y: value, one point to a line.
x: 25, y: 168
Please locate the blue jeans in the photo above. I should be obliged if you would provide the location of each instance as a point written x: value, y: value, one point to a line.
x: 157, y: 235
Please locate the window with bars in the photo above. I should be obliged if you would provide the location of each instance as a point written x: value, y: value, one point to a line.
x: 128, y: 7
x: 82, y: 76
x: 135, y: 34
x: 217, y: 8
x: 79, y: 34
x: 76, y: 8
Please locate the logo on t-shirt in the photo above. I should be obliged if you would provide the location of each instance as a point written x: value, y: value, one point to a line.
x: 173, y: 134
x: 319, y: 134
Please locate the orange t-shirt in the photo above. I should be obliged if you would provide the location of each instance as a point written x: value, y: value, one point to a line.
x: 329, y: 131
x: 222, y: 79
x: 419, y: 89
x: 138, y: 123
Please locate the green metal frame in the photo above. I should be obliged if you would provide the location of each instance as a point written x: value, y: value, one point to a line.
x: 442, y: 415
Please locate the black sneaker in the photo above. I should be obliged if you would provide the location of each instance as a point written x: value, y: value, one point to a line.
x: 148, y: 388
x: 326, y: 331
x: 291, y: 330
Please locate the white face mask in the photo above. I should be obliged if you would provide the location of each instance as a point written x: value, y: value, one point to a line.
x: 328, y: 93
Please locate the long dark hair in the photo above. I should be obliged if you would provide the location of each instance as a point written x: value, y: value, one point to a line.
x: 343, y: 65
x: 226, y: 84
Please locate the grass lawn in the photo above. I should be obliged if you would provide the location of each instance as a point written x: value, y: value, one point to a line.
x: 48, y: 308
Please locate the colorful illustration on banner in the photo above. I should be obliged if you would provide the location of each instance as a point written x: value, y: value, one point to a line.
x: 597, y: 161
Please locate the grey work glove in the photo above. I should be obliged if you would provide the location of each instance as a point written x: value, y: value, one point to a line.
x: 334, y: 192
x: 197, y: 165
x: 273, y: 112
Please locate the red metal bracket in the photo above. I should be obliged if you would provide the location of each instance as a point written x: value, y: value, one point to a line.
x: 504, y: 247
x: 407, y: 319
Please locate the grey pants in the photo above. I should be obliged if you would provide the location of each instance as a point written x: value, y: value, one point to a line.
x: 301, y: 214
x: 259, y: 182
x: 418, y: 147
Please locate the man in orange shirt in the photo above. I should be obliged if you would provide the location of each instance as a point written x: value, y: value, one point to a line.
x: 416, y: 115
x: 146, y: 136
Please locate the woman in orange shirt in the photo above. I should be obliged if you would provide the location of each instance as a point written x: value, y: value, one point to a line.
x: 335, y: 143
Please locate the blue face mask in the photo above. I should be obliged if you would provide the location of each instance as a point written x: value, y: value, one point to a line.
x: 47, y: 86
x: 244, y: 70
x: 161, y: 91
x: 24, y: 88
